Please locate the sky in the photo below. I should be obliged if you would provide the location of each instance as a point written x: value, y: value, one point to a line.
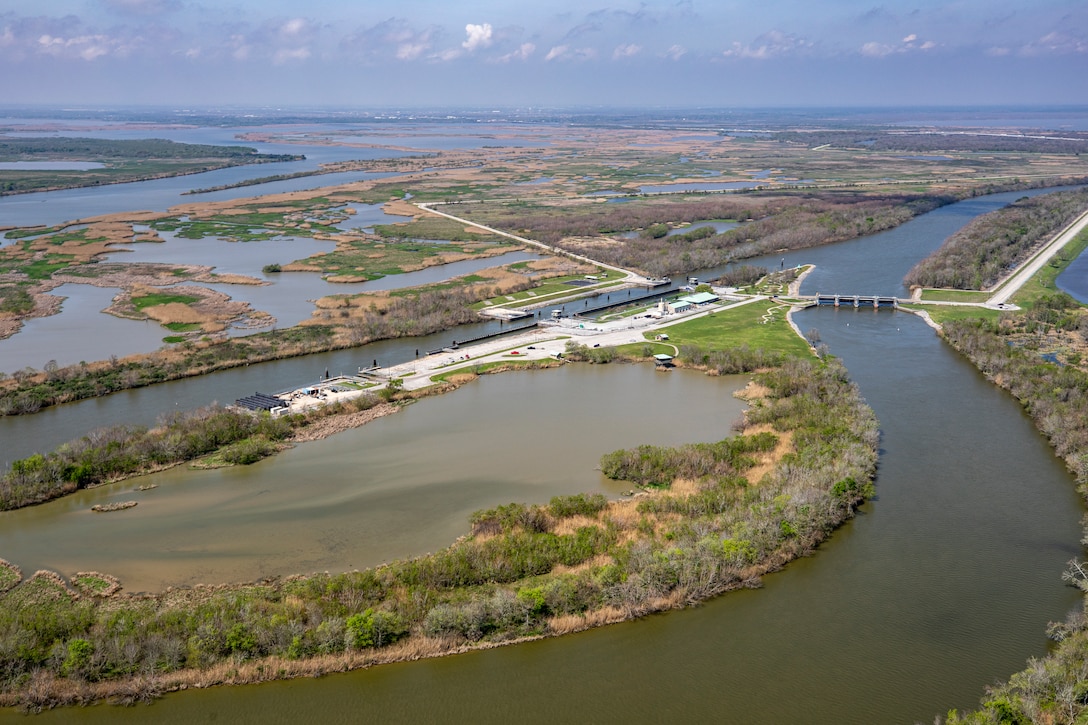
x: 363, y: 54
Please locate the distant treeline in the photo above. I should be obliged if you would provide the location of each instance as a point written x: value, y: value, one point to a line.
x: 774, y: 222
x: 255, y: 182
x: 992, y: 245
x: 1072, y: 142
x: 91, y: 149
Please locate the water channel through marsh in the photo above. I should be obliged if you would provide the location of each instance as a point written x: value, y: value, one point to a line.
x: 942, y: 585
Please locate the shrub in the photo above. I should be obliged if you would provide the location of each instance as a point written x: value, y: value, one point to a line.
x: 248, y: 451
x: 374, y: 629
x: 579, y: 504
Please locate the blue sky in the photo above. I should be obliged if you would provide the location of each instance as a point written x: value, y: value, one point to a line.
x: 430, y: 53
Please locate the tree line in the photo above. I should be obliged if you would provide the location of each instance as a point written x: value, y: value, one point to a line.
x: 773, y: 222
x: 1074, y: 142
x: 152, y: 148
x: 994, y: 244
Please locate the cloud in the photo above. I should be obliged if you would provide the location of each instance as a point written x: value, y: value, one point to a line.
x: 392, y: 38
x: 771, y: 44
x: 627, y: 50
x: 294, y: 27
x: 556, y: 53
x: 577, y: 31
x: 1056, y: 43
x: 908, y: 44
x: 83, y: 47
x: 479, y: 36
x: 872, y: 49
x: 142, y: 7
x: 285, y: 55
x: 522, y: 53
x: 565, y: 52
x: 877, y: 15
x: 412, y: 51
x: 675, y: 52
x: 241, y: 47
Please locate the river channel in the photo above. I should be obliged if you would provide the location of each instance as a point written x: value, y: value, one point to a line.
x: 942, y: 585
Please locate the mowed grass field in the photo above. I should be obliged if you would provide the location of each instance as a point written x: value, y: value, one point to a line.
x: 737, y: 326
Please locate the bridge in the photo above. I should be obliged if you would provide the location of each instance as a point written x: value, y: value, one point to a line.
x: 855, y: 301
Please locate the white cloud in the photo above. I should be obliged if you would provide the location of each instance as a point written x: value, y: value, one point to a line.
x: 286, y: 55
x: 295, y: 26
x: 1056, y: 44
x: 675, y: 52
x: 626, y: 51
x: 479, y: 36
x: 412, y: 51
x: 393, y: 38
x: 771, y: 44
x: 565, y: 52
x: 84, y: 47
x: 872, y: 49
x: 556, y: 53
x: 241, y: 46
x: 522, y: 53
x: 909, y: 44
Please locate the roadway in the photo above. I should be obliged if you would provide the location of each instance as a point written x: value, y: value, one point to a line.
x: 1019, y: 278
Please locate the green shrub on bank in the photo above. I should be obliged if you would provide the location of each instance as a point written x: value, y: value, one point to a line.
x: 580, y: 504
x: 120, y: 451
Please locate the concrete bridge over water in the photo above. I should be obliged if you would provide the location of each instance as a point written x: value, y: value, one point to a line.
x: 874, y: 301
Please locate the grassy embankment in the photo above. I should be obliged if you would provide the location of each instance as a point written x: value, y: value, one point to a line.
x: 715, y: 517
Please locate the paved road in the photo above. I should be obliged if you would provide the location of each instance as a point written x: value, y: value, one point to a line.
x: 1013, y: 284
